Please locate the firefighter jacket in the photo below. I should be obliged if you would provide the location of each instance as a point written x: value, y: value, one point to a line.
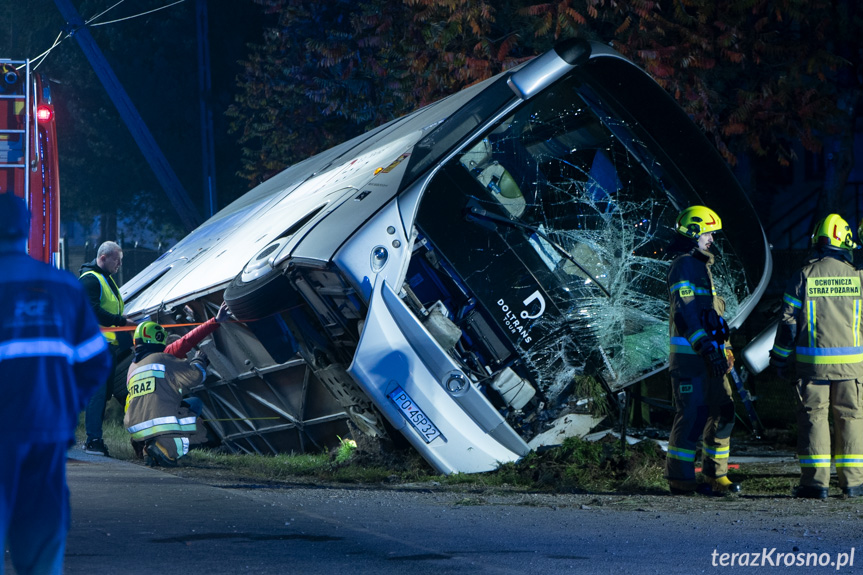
x: 104, y: 297
x: 156, y: 385
x: 690, y: 287
x: 52, y: 355
x: 820, y: 322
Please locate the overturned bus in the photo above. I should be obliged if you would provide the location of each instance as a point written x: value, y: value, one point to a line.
x: 450, y: 276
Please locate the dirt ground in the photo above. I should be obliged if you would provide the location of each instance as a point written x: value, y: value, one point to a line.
x: 767, y: 478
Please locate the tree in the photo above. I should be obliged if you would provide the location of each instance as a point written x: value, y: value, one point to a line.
x: 756, y: 75
x: 332, y: 69
x: 103, y: 174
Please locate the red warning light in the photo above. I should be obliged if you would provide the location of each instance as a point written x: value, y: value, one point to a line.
x: 44, y: 113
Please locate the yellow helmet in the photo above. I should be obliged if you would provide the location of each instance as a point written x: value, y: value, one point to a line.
x: 833, y: 231
x: 150, y: 332
x: 697, y: 220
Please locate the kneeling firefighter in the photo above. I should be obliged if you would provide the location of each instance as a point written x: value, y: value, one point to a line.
x: 157, y: 416
x: 698, y: 362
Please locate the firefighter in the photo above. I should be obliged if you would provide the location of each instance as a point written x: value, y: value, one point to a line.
x: 698, y: 362
x: 820, y: 330
x: 159, y: 377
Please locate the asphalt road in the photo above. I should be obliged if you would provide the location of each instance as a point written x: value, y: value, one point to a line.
x: 133, y: 520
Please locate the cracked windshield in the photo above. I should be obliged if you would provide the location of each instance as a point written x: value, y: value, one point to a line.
x: 567, y: 210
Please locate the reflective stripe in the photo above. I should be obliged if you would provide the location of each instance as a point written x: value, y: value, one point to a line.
x: 718, y: 453
x: 152, y: 422
x: 681, y: 454
x: 202, y: 369
x: 852, y: 460
x: 681, y: 345
x: 812, y: 327
x: 687, y: 289
x: 139, y: 374
x: 829, y: 355
x: 162, y: 425
x: 52, y: 347
x: 157, y: 430
x: 697, y: 335
x: 855, y: 326
x: 182, y: 444
x: 148, y: 367
x: 781, y: 351
x: 187, y: 424
x: 90, y: 348
x: 792, y: 301
x: 814, y: 460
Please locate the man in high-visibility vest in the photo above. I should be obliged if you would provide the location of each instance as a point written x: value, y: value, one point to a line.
x: 107, y: 303
x: 820, y: 331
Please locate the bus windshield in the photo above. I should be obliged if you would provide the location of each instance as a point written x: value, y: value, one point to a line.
x: 571, y: 199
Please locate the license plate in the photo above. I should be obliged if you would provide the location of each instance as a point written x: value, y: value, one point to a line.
x: 415, y: 415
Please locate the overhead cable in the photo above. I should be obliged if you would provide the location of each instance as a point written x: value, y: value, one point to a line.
x: 37, y: 61
x: 136, y: 15
x: 105, y: 11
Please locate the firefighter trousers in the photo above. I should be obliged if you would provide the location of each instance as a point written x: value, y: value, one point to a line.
x: 704, y: 408
x: 816, y: 400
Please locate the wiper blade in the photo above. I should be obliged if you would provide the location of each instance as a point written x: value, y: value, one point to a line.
x: 480, y: 213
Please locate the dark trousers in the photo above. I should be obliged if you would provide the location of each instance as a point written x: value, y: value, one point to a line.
x: 34, y: 506
x: 94, y: 413
x: 704, y: 409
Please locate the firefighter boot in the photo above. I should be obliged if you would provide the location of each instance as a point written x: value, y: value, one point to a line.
x: 155, y: 455
x: 856, y: 491
x: 718, y: 486
x: 680, y: 487
x: 809, y: 492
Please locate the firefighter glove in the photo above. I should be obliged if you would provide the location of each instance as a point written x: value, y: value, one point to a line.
x: 779, y: 365
x: 201, y: 358
x: 714, y: 358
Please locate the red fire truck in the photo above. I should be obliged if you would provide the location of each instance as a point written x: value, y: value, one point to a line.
x: 28, y: 154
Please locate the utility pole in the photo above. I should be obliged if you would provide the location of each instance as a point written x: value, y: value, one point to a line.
x: 152, y: 153
x: 208, y: 149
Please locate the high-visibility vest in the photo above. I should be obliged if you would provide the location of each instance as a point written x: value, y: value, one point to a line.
x: 108, y: 300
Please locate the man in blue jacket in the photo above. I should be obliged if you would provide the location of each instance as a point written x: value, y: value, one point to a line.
x: 52, y: 357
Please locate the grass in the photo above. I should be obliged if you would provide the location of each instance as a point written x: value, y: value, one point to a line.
x: 577, y: 466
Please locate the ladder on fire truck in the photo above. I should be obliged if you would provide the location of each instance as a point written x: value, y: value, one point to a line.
x: 16, y: 149
x: 28, y: 155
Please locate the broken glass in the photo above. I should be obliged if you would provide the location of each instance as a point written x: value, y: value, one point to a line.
x: 564, y: 212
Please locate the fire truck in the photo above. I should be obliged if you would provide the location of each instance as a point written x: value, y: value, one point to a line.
x: 28, y: 154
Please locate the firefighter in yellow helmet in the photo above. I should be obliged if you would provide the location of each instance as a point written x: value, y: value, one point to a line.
x: 698, y: 362
x: 820, y: 331
x: 162, y: 421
